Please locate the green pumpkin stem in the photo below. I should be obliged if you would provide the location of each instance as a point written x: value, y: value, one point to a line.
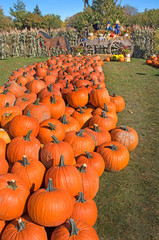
x: 81, y: 110
x: 37, y: 101
x: 53, y: 127
x: 55, y: 139
x: 64, y: 119
x: 61, y: 163
x: 81, y: 198
x: 82, y: 168
x: 24, y: 99
x: 98, y: 87
x: 25, y: 161
x: 113, y: 95
x: 89, y: 155
x: 74, y: 230
x: 103, y: 114
x: 27, y: 137
x: 5, y: 91
x: 27, y: 91
x: 96, y: 128
x: 80, y: 133
x: 50, y: 187
x: 49, y: 88
x: 112, y: 147
x: 28, y: 113
x: 75, y: 88
x: 20, y: 225
x: 124, y: 128
x: 12, y: 184
x: 7, y: 104
x: 67, y: 83
x: 53, y: 99
x: 105, y: 107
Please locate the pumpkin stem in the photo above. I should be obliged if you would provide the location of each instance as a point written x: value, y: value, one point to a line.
x: 25, y: 161
x: 113, y: 95
x: 49, y: 88
x: 20, y: 225
x: 61, y: 163
x: 24, y: 99
x: 52, y: 99
x: 74, y: 230
x: 7, y: 114
x: 27, y: 91
x: 96, y: 128
x: 112, y: 147
x: 80, y: 133
x: 81, y: 110
x: 103, y: 114
x: 75, y: 89
x: 64, y: 120
x: 89, y: 155
x: 27, y: 137
x: 28, y: 113
x: 83, y: 168
x: 105, y: 107
x: 50, y: 187
x: 37, y: 101
x: 53, y: 127
x: 124, y: 128
x: 12, y: 184
x: 67, y: 83
x: 98, y: 87
x: 5, y: 91
x: 55, y: 139
x: 7, y: 104
x: 81, y: 198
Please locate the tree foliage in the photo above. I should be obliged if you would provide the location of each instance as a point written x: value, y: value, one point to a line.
x: 37, y: 11
x: 18, y: 12
x: 5, y: 22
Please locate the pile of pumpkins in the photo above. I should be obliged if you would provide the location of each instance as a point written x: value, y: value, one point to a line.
x: 153, y: 61
x: 58, y: 134
x: 119, y: 58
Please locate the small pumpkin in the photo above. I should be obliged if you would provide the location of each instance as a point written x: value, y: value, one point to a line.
x: 118, y: 101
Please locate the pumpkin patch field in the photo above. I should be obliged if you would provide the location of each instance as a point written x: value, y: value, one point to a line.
x: 78, y: 149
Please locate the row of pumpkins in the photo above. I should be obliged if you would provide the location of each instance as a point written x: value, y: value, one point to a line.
x: 58, y: 134
x: 153, y: 61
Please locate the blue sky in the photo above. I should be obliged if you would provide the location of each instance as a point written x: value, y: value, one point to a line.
x: 67, y: 8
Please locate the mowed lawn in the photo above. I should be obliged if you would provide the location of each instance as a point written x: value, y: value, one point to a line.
x: 128, y: 201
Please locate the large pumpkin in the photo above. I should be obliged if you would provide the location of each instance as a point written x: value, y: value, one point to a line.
x: 74, y: 230
x: 115, y: 155
x: 125, y: 135
x: 118, y: 101
x: 13, y: 194
x: 50, y: 207
x: 65, y: 177
x: 20, y: 229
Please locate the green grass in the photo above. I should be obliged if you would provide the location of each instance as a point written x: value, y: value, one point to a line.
x: 128, y: 202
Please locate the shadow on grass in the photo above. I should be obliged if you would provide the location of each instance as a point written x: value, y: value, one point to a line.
x: 141, y: 73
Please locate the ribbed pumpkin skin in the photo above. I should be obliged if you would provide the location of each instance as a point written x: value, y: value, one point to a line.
x: 108, y: 123
x: 50, y: 209
x: 3, y: 165
x: 2, y: 148
x: 115, y: 160
x: 65, y: 177
x: 80, y: 144
x: 45, y: 131
x: 90, y: 181
x: 86, y: 232
x: 95, y: 161
x: 118, y: 101
x: 32, y: 173
x: 40, y: 111
x: 31, y: 231
x: 77, y: 98
x: 85, y: 211
x: 125, y: 135
x: 17, y: 129
x: 8, y: 97
x: 2, y: 224
x: 99, y: 96
x: 100, y: 136
x: 51, y: 153
x: 19, y: 147
x: 70, y: 124
x: 12, y: 201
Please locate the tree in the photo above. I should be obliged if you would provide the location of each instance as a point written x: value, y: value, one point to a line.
x: 5, y: 22
x: 37, y: 11
x: 32, y: 20
x: 86, y: 3
x: 52, y: 21
x: 130, y: 10
x: 18, y: 12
